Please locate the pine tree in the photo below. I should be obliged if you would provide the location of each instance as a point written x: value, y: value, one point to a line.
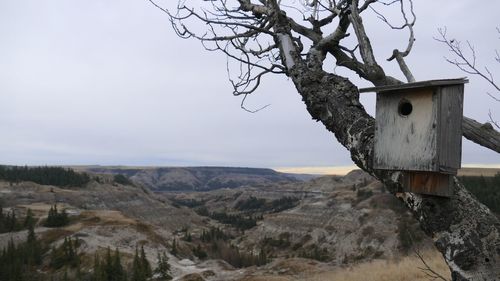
x: 11, y: 221
x: 2, y: 219
x: 262, y: 259
x: 137, y: 273
x: 29, y: 220
x: 33, y: 247
x: 74, y: 260
x: 188, y: 237
x: 50, y: 217
x: 72, y: 250
x: 199, y: 252
x: 98, y: 274
x: 146, y: 267
x: 108, y: 266
x: 163, y: 269
x: 174, y: 248
x: 56, y: 219
x: 53, y: 257
x: 118, y: 271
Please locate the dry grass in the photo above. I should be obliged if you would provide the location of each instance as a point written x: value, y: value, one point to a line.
x: 149, y: 231
x: 106, y: 217
x: 486, y: 172
x: 40, y: 209
x: 406, y: 269
x: 265, y: 278
x: 54, y: 234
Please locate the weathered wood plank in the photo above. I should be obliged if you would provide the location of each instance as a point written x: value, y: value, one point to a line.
x: 406, y: 142
x: 450, y: 128
x: 420, y: 84
x: 428, y: 183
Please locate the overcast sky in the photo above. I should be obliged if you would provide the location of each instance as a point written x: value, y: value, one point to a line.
x: 108, y: 82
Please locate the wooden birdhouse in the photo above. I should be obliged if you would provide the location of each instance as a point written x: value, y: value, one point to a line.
x: 419, y: 131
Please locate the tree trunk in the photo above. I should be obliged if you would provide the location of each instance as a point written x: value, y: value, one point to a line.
x: 465, y: 231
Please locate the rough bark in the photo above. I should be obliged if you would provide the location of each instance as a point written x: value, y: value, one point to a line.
x: 482, y: 134
x: 465, y: 231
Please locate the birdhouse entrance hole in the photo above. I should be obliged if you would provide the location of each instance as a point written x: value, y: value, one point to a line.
x: 405, y: 108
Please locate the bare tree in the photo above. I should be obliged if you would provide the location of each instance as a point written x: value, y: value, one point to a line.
x: 466, y: 61
x: 294, y: 37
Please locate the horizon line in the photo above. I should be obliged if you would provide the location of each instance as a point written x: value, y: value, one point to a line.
x: 313, y: 170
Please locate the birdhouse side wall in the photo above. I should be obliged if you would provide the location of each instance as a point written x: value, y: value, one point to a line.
x: 406, y: 142
x: 450, y: 114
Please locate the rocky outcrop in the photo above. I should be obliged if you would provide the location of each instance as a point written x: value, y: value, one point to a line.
x: 132, y: 201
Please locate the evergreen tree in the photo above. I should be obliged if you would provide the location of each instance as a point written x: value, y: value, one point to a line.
x: 65, y: 255
x: 141, y: 269
x: 33, y: 248
x: 262, y: 259
x: 73, y: 254
x: 2, y: 219
x: 17, y: 262
x: 56, y: 219
x: 146, y: 267
x: 11, y: 222
x: 29, y: 220
x: 117, y: 268
x: 44, y: 175
x: 199, y: 252
x: 174, y: 248
x: 137, y: 273
x: 51, y: 216
x: 108, y: 266
x: 187, y: 237
x: 99, y: 273
x: 163, y: 269
x: 53, y: 257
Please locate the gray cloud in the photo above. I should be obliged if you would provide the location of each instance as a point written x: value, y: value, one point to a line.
x: 108, y: 82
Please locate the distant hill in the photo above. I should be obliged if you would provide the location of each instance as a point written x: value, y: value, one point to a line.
x: 486, y: 172
x: 199, y: 178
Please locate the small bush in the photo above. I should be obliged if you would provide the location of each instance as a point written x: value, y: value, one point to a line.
x: 362, y: 194
x: 121, y: 179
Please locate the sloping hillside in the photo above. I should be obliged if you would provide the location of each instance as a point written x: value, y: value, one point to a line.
x: 336, y: 219
x: 276, y: 231
x: 131, y: 200
x: 198, y: 178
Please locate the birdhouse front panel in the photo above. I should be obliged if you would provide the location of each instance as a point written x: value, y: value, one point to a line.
x: 418, y: 130
x: 406, y: 132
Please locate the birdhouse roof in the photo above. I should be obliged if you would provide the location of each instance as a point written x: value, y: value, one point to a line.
x: 415, y: 85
